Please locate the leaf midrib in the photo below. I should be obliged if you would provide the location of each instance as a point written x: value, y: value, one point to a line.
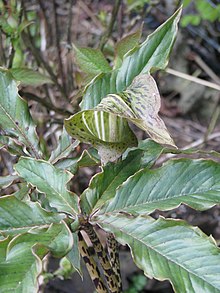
x: 160, y: 200
x: 59, y: 194
x: 21, y: 131
x: 158, y: 252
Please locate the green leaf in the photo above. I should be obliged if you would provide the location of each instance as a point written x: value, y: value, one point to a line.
x: 126, y: 44
x: 22, y: 263
x: 152, y: 54
x: 29, y: 76
x: 103, y: 185
x: 15, y: 117
x: 88, y: 158
x: 19, y: 217
x: 110, y: 134
x: 193, y: 19
x: 193, y: 182
x: 169, y: 250
x: 64, y: 148
x: 91, y: 61
x: 207, y: 10
x: 74, y: 256
x: 51, y: 181
x: 5, y: 181
x: 13, y: 146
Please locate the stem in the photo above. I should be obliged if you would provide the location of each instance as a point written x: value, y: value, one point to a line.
x: 91, y: 266
x: 45, y: 103
x: 103, y: 258
x: 113, y: 251
x: 108, y: 32
x: 58, y: 47
x: 37, y: 55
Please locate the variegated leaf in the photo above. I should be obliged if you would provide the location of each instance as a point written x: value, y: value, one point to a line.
x: 106, y: 126
x: 140, y: 104
x: 108, y: 132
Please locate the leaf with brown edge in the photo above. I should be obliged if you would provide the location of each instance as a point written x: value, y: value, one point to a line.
x: 140, y: 104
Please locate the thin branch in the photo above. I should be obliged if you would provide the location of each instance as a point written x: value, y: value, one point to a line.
x: 213, y: 121
x: 69, y: 79
x: 108, y: 32
x: 39, y: 58
x: 58, y: 47
x: 2, y: 51
x: 45, y: 103
x: 206, y: 68
x: 193, y: 79
x: 48, y: 26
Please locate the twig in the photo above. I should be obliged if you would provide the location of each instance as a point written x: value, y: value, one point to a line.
x: 2, y: 51
x: 45, y: 103
x: 213, y: 121
x: 206, y: 68
x: 69, y: 83
x: 58, y: 47
x: 90, y: 13
x: 108, y: 32
x: 48, y: 26
x: 37, y: 55
x: 193, y: 79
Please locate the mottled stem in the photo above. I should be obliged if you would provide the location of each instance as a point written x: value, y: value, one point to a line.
x: 91, y: 266
x: 113, y: 251
x: 103, y: 259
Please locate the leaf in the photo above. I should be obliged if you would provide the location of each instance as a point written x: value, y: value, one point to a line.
x: 51, y: 181
x: 140, y: 104
x: 64, y: 148
x: 152, y: 54
x: 19, y: 217
x: 22, y: 263
x: 169, y: 250
x: 103, y: 185
x: 5, y: 181
x: 193, y: 182
x: 88, y: 158
x: 109, y: 133
x: 74, y: 256
x: 91, y: 61
x: 15, y: 117
x: 13, y: 146
x: 29, y: 76
x: 125, y: 45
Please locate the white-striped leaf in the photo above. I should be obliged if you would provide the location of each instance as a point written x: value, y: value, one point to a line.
x: 106, y: 126
x: 109, y: 133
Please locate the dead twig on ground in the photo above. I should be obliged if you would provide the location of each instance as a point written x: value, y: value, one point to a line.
x: 193, y: 79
